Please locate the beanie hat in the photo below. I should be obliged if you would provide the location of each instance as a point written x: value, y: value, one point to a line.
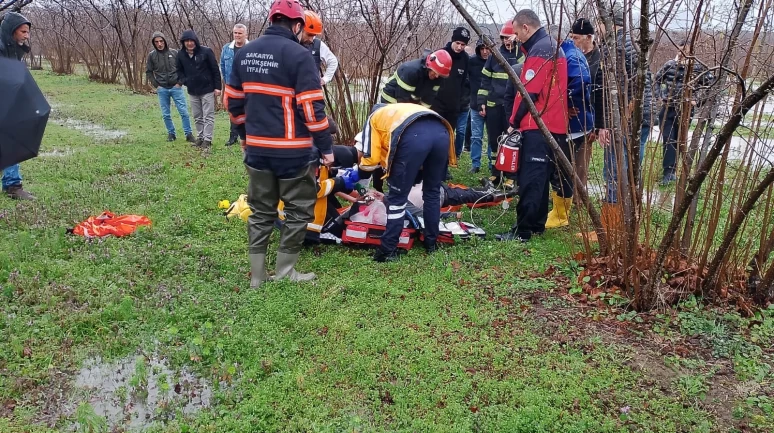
x: 582, y: 26
x: 461, y: 34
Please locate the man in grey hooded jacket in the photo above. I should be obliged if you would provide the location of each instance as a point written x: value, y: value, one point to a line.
x: 14, y: 34
x: 161, y: 72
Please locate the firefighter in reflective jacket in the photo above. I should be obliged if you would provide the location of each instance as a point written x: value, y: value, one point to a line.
x: 410, y: 144
x: 275, y: 98
x: 544, y: 75
x: 491, y: 96
x: 414, y: 81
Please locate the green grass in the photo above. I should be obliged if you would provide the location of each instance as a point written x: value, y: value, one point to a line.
x: 446, y: 342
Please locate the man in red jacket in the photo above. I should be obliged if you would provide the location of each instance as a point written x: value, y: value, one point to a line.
x: 545, y: 76
x: 276, y: 101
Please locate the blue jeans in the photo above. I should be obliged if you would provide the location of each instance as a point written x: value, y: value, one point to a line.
x: 459, y: 134
x: 177, y: 95
x: 476, y: 137
x: 11, y: 176
x: 610, y: 169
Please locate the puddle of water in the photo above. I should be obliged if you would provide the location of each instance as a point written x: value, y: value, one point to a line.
x: 91, y: 129
x: 56, y: 153
x: 136, y: 391
x: 762, y: 150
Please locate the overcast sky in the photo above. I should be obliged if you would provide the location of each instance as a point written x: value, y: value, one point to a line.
x: 716, y: 11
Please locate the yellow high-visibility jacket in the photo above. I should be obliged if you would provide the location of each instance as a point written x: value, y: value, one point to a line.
x: 383, y: 130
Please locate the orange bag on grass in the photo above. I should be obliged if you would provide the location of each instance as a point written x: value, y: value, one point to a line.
x: 109, y: 224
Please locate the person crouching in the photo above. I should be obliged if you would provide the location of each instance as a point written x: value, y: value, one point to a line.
x: 409, y: 143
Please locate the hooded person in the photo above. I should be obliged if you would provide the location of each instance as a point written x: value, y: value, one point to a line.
x: 453, y: 96
x: 14, y: 35
x: 161, y: 73
x: 476, y: 74
x: 197, y: 69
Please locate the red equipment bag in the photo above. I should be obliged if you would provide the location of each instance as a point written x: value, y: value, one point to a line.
x: 508, y: 152
x: 371, y: 234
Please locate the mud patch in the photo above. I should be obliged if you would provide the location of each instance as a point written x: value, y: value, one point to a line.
x: 134, y: 392
x: 91, y: 129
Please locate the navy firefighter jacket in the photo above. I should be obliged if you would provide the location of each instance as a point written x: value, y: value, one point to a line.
x: 275, y: 98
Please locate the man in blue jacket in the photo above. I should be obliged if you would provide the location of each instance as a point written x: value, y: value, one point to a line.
x: 275, y: 98
x: 581, y: 124
x: 226, y: 61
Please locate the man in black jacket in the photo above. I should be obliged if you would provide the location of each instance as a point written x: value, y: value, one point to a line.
x: 475, y: 72
x: 197, y: 69
x: 161, y: 73
x: 453, y: 95
x: 14, y: 34
x: 679, y: 92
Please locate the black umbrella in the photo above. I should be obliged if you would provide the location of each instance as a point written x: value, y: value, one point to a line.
x: 23, y: 114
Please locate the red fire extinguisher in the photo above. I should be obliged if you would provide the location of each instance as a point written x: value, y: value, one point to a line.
x: 508, y: 152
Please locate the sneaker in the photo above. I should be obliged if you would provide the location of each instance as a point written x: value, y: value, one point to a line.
x: 190, y: 138
x: 475, y: 169
x: 16, y: 192
x: 171, y: 137
x: 198, y: 142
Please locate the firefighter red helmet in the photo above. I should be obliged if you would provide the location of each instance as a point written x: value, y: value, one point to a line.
x: 313, y: 23
x: 440, y: 62
x: 289, y: 8
x: 507, y: 29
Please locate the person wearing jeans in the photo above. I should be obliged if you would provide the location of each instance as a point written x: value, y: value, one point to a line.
x: 459, y: 132
x: 161, y: 73
x: 14, y: 37
x: 175, y: 93
x: 477, y: 63
x: 674, y: 83
x: 477, y: 122
x: 198, y: 70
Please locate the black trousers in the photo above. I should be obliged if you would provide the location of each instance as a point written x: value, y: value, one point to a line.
x: 561, y: 181
x: 496, y: 125
x: 536, y: 165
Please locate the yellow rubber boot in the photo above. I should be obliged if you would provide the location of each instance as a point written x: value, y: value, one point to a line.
x: 559, y: 215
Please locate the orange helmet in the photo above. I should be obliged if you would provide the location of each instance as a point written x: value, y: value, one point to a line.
x: 440, y: 62
x: 507, y: 29
x: 312, y: 23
